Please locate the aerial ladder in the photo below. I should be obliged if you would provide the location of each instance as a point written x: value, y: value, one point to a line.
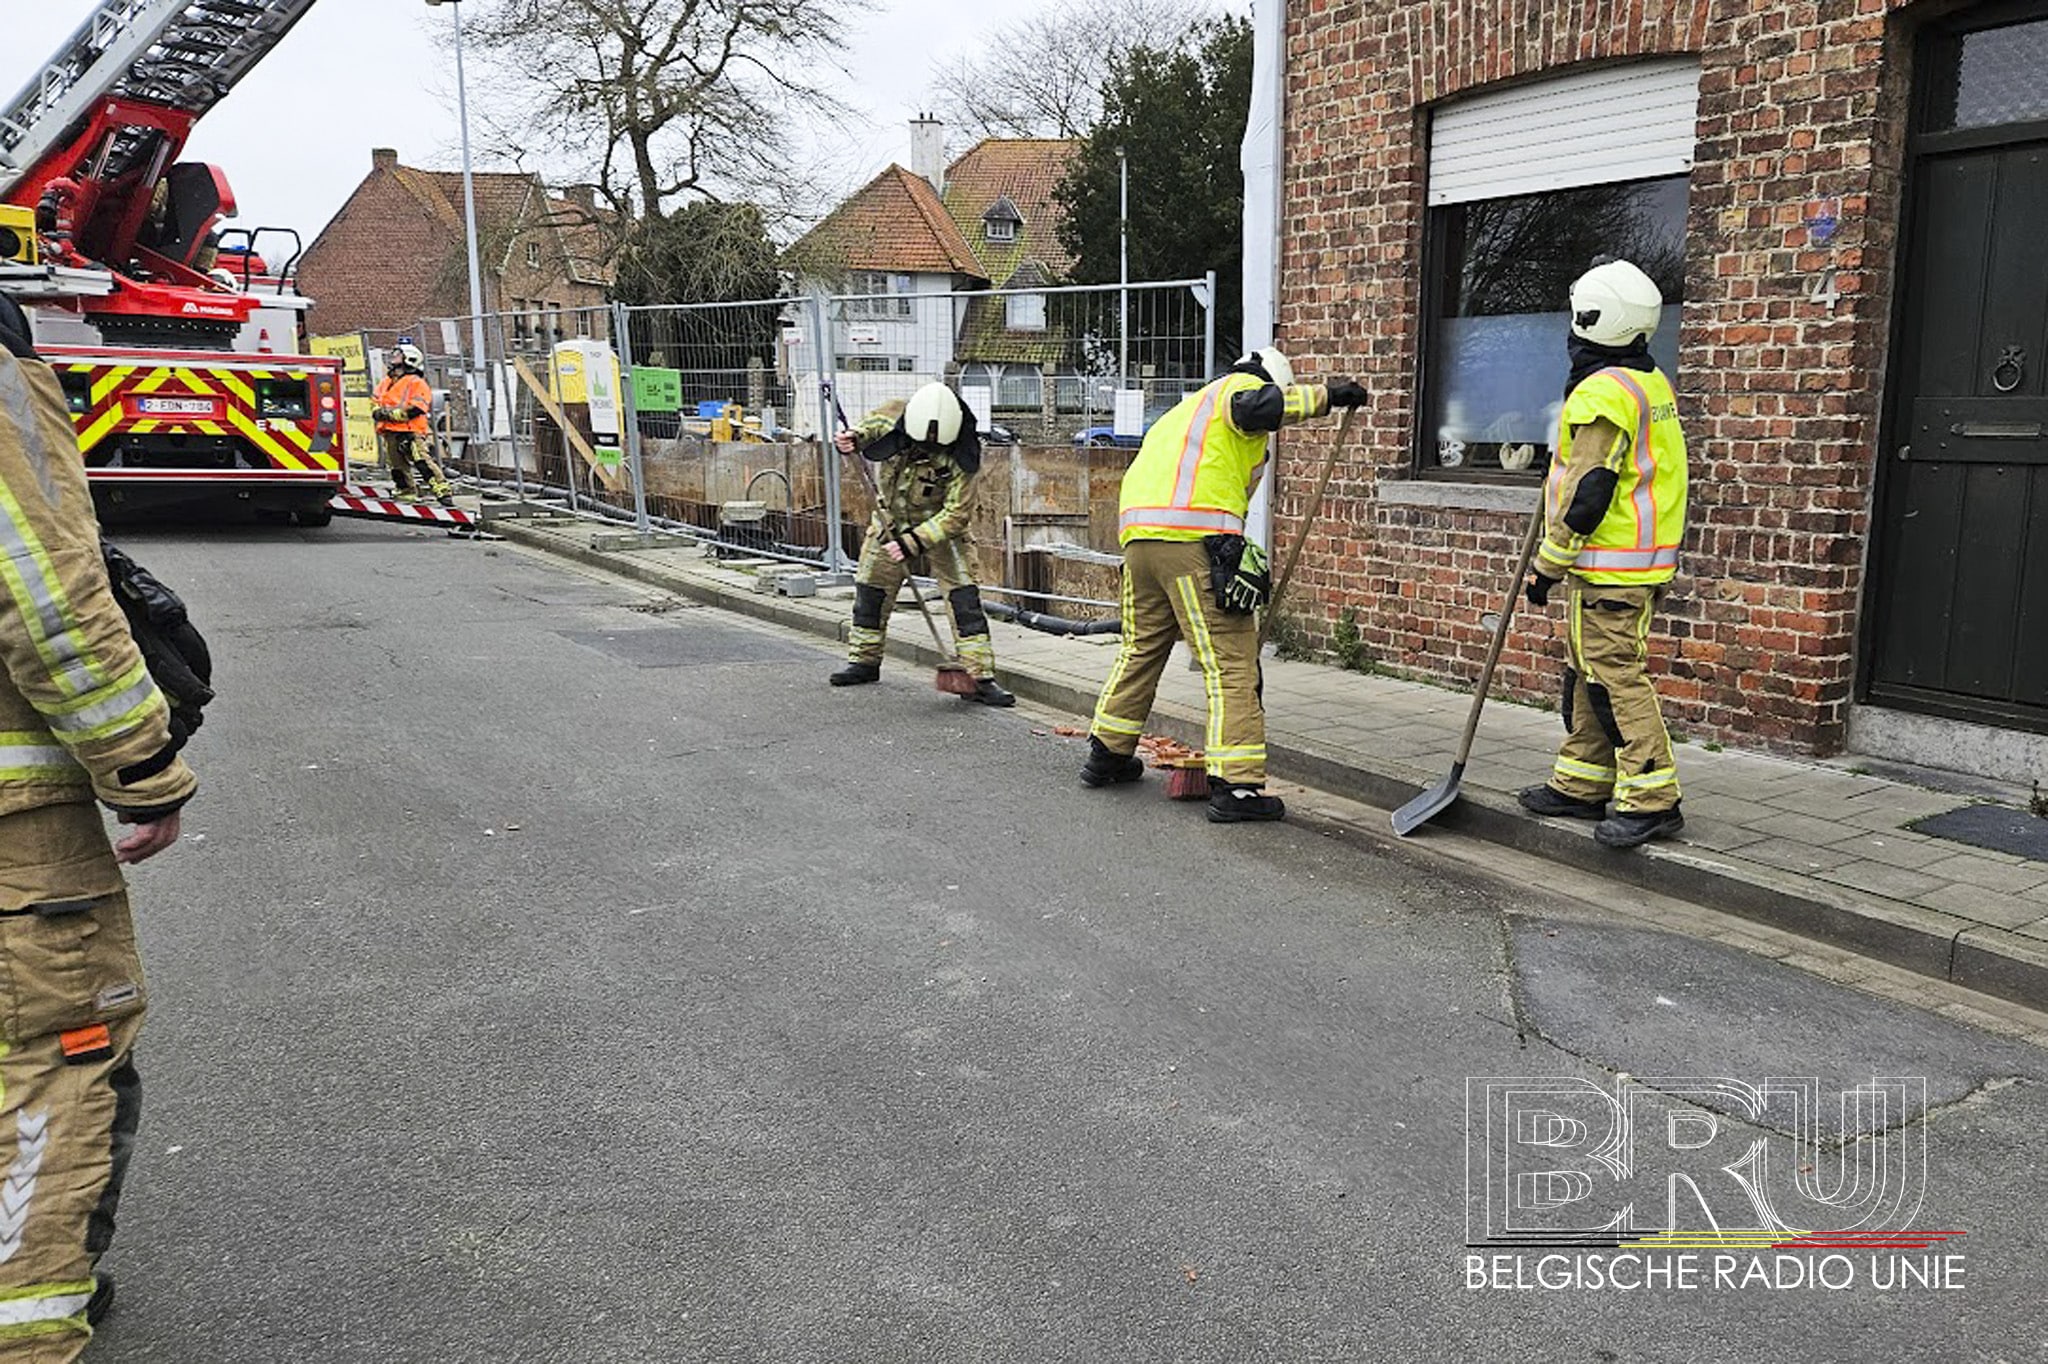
x: 182, y: 380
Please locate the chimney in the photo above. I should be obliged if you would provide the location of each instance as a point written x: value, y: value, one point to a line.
x: 928, y: 150
x: 583, y: 196
x: 383, y: 158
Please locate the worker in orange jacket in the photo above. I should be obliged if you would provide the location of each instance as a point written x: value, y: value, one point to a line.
x: 403, y: 404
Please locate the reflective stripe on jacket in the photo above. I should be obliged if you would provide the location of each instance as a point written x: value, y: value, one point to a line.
x: 1195, y: 473
x: 78, y: 708
x: 1637, y: 540
x: 405, y: 390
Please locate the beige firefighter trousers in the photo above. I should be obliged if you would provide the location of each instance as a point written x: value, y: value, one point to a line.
x: 71, y: 1003
x: 410, y: 458
x: 879, y: 580
x: 1617, y: 745
x: 1166, y: 596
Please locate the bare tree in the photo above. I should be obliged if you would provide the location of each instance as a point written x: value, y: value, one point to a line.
x: 1041, y: 75
x: 653, y: 101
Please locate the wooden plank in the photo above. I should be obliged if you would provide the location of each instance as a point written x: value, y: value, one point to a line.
x: 569, y: 432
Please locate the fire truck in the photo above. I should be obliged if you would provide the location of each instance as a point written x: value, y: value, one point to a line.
x: 179, y: 361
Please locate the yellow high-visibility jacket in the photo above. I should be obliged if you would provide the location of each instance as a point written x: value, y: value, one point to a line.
x: 1195, y: 473
x: 80, y: 716
x: 1623, y: 422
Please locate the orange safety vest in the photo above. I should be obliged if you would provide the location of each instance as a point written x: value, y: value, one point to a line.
x: 405, y: 390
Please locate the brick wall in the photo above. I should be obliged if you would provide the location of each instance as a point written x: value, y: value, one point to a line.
x: 1800, y: 103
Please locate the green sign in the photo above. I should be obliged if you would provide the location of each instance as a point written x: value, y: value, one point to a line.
x: 657, y: 390
x: 609, y: 457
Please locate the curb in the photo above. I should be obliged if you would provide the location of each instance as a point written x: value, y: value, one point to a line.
x: 1944, y: 946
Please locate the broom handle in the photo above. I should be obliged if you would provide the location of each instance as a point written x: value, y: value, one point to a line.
x: 1315, y: 507
x: 1500, y: 632
x: 948, y: 653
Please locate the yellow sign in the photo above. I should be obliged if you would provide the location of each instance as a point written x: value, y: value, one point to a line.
x: 353, y: 349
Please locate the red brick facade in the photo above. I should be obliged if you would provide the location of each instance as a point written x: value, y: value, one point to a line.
x: 1800, y: 103
x: 397, y: 253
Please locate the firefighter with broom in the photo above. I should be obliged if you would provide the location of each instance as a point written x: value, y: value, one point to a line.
x: 1190, y: 573
x: 1614, y: 509
x: 924, y: 453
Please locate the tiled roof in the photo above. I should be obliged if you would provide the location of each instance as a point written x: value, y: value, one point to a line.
x: 896, y: 223
x: 1025, y: 171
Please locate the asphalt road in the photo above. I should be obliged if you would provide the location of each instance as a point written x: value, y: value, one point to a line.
x: 544, y: 977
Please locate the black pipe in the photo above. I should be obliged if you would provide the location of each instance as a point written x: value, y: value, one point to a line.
x: 1052, y: 625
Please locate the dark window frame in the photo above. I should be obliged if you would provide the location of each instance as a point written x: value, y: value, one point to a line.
x: 1422, y: 452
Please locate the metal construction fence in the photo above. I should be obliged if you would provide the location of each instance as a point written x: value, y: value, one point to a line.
x: 714, y: 419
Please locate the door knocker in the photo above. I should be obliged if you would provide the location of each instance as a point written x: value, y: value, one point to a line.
x: 2010, y: 369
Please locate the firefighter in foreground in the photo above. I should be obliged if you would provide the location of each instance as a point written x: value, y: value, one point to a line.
x: 1614, y: 504
x: 925, y: 453
x: 403, y: 406
x: 1190, y: 573
x: 81, y: 720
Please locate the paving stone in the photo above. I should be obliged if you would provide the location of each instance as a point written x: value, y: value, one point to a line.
x: 1717, y: 835
x: 1980, y: 871
x: 1985, y: 906
x: 1787, y: 855
x: 1882, y: 879
x: 1797, y: 828
x: 1898, y: 849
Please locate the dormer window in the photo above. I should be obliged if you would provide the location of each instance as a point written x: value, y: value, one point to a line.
x: 1002, y: 220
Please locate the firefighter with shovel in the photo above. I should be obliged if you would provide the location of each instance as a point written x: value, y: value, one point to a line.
x: 1614, y: 514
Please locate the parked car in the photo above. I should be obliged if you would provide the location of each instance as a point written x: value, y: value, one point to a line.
x: 1105, y: 434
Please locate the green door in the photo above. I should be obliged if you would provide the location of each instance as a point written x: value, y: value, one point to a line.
x: 1960, y: 597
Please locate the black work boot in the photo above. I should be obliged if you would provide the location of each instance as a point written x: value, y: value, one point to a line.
x: 1106, y: 767
x: 1632, y: 829
x: 856, y: 674
x: 990, y: 692
x: 1239, y: 803
x: 1548, y: 801
x: 102, y: 1300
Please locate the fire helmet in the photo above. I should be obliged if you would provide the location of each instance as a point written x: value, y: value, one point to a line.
x: 1269, y: 359
x: 933, y: 415
x: 1614, y: 303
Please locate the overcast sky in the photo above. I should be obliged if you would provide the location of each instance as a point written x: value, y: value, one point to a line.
x: 295, y: 136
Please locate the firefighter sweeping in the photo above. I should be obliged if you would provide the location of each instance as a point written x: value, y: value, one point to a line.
x: 924, y: 454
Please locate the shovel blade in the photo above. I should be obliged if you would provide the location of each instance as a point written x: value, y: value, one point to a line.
x: 1429, y: 804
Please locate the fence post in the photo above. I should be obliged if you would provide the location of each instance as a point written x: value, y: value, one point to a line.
x: 835, y: 558
x: 1209, y: 329
x: 511, y: 395
x: 622, y: 341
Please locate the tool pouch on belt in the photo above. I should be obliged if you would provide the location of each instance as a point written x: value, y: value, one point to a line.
x: 1237, y: 574
x: 173, y: 649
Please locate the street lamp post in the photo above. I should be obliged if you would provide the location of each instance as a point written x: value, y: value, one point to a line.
x: 1123, y: 251
x: 479, y: 381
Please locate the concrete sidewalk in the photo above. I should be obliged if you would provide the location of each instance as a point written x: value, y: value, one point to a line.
x: 1816, y: 848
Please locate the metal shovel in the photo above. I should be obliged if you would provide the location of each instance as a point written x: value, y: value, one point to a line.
x: 1438, y: 798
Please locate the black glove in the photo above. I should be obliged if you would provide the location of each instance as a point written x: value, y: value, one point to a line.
x: 1538, y: 589
x: 1348, y: 393
x: 174, y: 651
x: 1237, y: 574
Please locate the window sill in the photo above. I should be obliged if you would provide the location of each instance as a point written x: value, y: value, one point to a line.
x: 1501, y: 496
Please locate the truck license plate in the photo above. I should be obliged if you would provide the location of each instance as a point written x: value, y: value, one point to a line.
x: 175, y: 407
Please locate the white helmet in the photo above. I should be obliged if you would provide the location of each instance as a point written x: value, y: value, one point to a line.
x: 1269, y: 359
x: 1614, y: 303
x: 933, y: 415
x: 407, y: 354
